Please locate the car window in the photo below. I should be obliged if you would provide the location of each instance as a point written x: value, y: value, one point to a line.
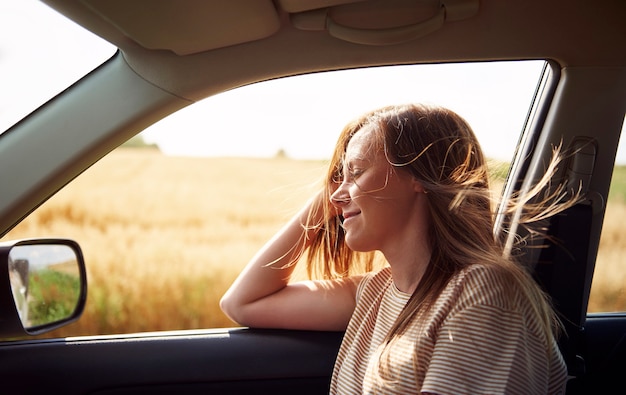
x: 305, y: 111
x: 168, y: 220
x: 608, y: 288
x: 41, y: 54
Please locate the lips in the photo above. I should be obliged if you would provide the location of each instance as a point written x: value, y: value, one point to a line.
x: 350, y: 214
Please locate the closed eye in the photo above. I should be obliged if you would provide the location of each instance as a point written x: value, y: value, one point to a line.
x: 354, y: 172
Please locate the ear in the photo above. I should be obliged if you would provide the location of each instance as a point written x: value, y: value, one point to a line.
x: 418, y: 186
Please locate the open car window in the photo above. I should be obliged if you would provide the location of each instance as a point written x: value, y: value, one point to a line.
x: 168, y: 220
x: 608, y: 288
x: 301, y: 115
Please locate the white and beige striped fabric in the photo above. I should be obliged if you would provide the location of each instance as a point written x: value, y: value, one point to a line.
x: 475, y: 341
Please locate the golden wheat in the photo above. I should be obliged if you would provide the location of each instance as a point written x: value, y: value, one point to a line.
x: 163, y: 237
x: 608, y: 290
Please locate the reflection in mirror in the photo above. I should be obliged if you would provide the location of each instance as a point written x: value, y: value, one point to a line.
x: 45, y: 281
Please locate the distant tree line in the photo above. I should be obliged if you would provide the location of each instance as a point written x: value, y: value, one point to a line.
x: 139, y: 142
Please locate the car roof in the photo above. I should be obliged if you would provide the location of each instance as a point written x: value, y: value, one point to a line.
x: 195, y: 48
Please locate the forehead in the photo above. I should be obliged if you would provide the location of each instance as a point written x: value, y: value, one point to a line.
x: 362, y: 145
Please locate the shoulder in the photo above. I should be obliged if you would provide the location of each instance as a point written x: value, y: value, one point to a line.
x: 486, y: 285
x: 373, y: 283
x: 488, y: 273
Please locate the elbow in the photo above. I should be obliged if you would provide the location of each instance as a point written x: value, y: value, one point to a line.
x: 230, y: 308
x: 236, y: 310
x: 242, y: 313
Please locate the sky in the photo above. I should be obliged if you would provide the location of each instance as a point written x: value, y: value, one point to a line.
x: 41, y: 256
x: 303, y: 115
x: 41, y: 53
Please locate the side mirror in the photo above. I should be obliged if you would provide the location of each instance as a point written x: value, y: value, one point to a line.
x: 43, y: 285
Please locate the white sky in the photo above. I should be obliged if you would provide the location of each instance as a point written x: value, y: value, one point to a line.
x: 302, y: 117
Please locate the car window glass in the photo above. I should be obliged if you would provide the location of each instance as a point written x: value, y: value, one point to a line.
x: 608, y: 289
x: 41, y: 54
x: 169, y: 219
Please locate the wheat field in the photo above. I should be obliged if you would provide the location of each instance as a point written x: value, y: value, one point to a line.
x: 163, y: 237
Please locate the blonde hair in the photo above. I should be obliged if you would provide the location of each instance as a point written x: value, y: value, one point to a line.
x: 438, y: 148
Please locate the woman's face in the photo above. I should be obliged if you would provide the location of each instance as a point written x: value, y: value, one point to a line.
x: 379, y: 203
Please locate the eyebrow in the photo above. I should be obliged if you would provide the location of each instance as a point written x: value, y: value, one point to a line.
x: 356, y: 159
x: 350, y: 162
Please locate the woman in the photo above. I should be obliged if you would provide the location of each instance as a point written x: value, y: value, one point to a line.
x: 450, y: 312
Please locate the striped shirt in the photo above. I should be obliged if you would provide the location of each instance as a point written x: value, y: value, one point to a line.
x: 474, y: 341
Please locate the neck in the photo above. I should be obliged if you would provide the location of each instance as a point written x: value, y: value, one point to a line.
x: 408, y: 251
x: 408, y: 267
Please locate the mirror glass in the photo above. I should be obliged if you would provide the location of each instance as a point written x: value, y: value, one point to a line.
x: 45, y: 281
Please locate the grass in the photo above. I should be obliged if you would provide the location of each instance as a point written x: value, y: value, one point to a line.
x: 53, y: 296
x: 163, y: 237
x: 618, y: 185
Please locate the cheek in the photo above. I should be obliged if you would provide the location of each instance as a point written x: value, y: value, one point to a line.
x: 374, y: 182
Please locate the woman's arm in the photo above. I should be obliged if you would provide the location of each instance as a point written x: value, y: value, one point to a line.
x: 262, y: 296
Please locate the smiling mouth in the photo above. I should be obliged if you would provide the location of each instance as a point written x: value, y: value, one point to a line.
x: 347, y: 216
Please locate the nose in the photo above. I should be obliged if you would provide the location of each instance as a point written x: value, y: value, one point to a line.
x: 340, y: 198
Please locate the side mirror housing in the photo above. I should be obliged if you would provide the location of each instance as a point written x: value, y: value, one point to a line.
x: 43, y: 285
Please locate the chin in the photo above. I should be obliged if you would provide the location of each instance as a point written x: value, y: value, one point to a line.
x: 357, y: 245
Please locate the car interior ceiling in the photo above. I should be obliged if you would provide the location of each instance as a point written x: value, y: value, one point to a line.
x: 150, y: 47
